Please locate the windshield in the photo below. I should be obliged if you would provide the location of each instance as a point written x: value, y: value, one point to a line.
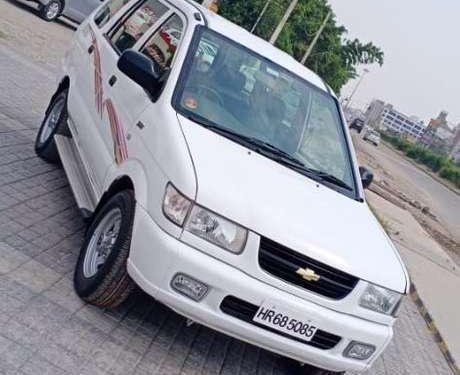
x: 228, y: 86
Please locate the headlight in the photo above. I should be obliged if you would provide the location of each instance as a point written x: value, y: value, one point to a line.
x: 216, y: 229
x: 380, y: 299
x: 175, y: 205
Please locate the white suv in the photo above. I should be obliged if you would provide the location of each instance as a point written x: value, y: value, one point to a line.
x: 218, y: 175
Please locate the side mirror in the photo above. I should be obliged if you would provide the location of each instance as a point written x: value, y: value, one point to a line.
x: 366, y: 177
x: 142, y: 70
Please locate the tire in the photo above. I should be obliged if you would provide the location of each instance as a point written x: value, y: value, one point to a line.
x: 55, y: 119
x: 108, y: 284
x: 51, y: 11
x: 296, y: 369
x: 309, y: 370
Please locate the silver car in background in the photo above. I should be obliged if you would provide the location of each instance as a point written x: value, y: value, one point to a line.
x: 76, y: 10
x: 372, y: 136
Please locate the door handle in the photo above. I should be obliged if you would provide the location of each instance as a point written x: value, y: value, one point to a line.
x: 112, y: 80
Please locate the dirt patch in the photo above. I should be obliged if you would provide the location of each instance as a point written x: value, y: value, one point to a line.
x: 422, y: 214
x: 400, y: 192
x: 446, y: 241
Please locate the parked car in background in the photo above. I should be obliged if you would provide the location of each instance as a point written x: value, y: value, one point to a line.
x: 218, y: 175
x: 76, y: 10
x: 357, y: 124
x: 372, y: 136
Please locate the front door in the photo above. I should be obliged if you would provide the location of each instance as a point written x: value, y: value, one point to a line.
x: 120, y: 101
x: 85, y: 101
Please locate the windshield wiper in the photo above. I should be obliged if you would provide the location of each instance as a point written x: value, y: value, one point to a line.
x: 280, y: 155
x: 324, y: 176
x: 254, y: 143
x: 218, y: 129
x: 272, y: 152
x: 287, y: 159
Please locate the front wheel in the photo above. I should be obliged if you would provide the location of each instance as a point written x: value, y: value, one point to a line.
x: 51, y: 11
x: 298, y: 369
x: 101, y: 276
x: 318, y: 371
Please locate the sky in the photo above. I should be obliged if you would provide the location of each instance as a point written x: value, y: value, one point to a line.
x: 421, y: 42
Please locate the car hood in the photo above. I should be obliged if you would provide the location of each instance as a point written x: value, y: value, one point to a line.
x: 291, y: 209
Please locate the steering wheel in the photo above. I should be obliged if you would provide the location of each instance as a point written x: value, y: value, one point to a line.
x: 207, y: 91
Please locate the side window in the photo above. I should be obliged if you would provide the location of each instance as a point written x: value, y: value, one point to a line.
x: 162, y: 46
x: 131, y: 29
x: 108, y: 11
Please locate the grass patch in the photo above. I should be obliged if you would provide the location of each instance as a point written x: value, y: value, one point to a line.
x: 384, y: 223
x: 2, y: 35
x: 440, y: 164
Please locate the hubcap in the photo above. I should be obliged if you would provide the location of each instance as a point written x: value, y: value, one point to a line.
x: 52, y: 120
x: 102, y: 242
x: 52, y: 11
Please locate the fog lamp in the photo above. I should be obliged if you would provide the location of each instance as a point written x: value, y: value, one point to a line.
x: 189, y: 287
x: 359, y: 350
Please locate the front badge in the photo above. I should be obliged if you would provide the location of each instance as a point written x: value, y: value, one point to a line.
x: 308, y: 274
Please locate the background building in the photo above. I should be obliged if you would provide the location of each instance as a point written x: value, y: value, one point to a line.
x: 455, y: 152
x: 439, y: 135
x: 374, y: 112
x: 398, y: 122
x: 386, y: 117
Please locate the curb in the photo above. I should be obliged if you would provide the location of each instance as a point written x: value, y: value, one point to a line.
x: 434, y: 330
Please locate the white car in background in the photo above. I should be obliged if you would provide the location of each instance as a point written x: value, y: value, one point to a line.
x: 238, y: 204
x: 372, y: 136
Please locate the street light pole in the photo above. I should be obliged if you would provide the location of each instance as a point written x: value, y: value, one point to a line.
x: 315, y: 39
x: 210, y: 4
x: 261, y: 15
x: 283, y: 21
x: 356, y: 88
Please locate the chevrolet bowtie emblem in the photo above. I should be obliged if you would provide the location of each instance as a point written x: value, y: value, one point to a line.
x: 308, y: 274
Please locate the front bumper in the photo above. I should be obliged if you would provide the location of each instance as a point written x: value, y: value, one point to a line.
x: 156, y: 257
x: 41, y: 2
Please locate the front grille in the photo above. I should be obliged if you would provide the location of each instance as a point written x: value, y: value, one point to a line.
x: 245, y: 311
x: 283, y: 262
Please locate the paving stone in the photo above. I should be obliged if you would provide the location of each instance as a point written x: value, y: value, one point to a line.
x: 35, y: 276
x: 39, y: 365
x: 10, y: 258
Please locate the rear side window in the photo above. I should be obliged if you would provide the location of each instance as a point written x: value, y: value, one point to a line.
x: 131, y: 29
x: 106, y: 13
x: 162, y: 46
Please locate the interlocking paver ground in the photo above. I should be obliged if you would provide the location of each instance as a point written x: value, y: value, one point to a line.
x: 44, y: 328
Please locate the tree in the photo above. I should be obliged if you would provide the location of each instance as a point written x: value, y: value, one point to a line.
x: 334, y: 58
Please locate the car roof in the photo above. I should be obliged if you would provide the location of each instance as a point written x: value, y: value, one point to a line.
x: 262, y: 47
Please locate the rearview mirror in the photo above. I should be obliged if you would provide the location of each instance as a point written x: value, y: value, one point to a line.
x: 366, y: 177
x: 142, y: 70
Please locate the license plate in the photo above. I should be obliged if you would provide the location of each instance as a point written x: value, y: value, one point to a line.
x: 277, y: 317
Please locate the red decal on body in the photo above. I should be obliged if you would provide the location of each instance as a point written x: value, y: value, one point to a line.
x: 120, y: 148
x: 98, y: 88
